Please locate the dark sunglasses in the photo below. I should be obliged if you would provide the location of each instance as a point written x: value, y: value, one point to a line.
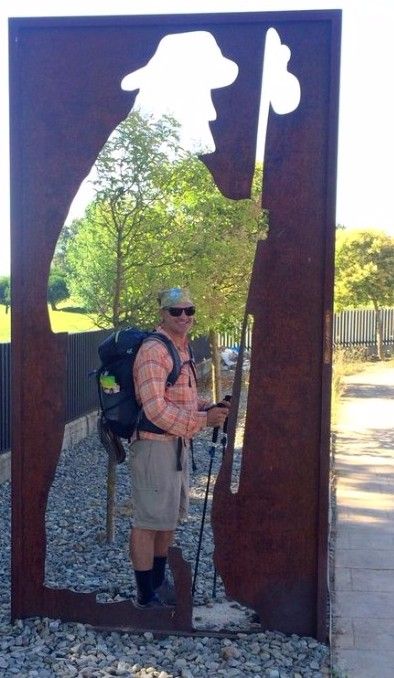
x: 177, y: 312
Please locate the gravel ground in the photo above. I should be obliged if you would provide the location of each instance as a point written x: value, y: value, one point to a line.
x: 78, y: 558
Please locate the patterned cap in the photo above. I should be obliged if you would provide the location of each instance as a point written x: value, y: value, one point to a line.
x: 174, y: 295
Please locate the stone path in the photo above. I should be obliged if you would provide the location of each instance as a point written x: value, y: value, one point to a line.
x: 363, y: 638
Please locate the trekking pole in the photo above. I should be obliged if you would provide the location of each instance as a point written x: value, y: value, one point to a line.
x: 212, y: 455
x: 223, y: 443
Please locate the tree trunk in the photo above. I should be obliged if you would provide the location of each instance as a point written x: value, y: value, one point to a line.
x: 379, y: 332
x: 118, y: 286
x: 111, y: 500
x: 216, y: 368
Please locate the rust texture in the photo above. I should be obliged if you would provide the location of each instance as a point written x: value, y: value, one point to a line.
x: 271, y: 537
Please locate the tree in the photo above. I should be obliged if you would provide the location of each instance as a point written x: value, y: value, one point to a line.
x: 5, y: 292
x: 220, y: 275
x: 365, y: 273
x: 57, y: 288
x: 128, y: 235
x: 159, y: 220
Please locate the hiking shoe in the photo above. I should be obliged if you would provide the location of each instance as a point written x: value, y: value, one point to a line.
x: 111, y: 443
x: 166, y: 593
x: 255, y: 618
x: 154, y: 602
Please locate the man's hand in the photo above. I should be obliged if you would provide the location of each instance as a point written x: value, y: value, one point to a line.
x: 225, y: 402
x: 216, y: 416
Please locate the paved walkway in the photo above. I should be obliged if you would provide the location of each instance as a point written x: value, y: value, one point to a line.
x: 363, y: 639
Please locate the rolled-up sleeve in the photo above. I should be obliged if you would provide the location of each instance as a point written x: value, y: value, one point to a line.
x: 175, y: 409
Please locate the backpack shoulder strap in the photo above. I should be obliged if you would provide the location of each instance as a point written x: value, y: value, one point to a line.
x: 176, y: 360
x: 192, y: 362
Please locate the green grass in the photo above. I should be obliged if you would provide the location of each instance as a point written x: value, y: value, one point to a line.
x: 63, y: 320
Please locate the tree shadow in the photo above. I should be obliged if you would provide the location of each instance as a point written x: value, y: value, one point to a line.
x: 368, y: 391
x: 369, y: 442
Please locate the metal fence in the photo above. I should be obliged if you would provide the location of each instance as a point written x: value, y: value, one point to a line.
x: 351, y: 328
x: 233, y: 339
x: 82, y: 360
x: 356, y: 327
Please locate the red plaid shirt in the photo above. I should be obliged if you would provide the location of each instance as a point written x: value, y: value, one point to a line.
x: 176, y: 409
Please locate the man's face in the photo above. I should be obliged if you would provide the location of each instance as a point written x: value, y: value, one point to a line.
x: 179, y: 325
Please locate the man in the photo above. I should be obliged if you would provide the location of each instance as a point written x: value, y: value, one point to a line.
x: 158, y: 461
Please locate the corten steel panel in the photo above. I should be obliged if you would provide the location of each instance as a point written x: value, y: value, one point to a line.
x: 65, y: 102
x: 279, y: 515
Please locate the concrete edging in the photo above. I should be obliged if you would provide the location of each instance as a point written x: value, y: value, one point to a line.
x: 5, y: 466
x: 74, y: 431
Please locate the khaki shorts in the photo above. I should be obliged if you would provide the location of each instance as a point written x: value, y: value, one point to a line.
x: 160, y: 492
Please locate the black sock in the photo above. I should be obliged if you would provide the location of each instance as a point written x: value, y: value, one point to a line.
x: 144, y: 585
x: 159, y: 567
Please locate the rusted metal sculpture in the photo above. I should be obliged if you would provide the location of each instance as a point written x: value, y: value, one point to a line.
x: 65, y: 102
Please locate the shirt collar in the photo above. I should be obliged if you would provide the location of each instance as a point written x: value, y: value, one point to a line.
x: 179, y: 343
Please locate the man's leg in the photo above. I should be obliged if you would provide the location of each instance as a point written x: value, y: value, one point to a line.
x: 142, y: 548
x: 149, y: 547
x: 141, y: 554
x: 163, y: 541
x: 148, y: 553
x: 146, y: 545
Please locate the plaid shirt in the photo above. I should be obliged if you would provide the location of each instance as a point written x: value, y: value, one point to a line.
x: 175, y: 409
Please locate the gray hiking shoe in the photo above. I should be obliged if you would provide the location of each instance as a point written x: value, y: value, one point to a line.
x: 154, y: 602
x: 166, y: 593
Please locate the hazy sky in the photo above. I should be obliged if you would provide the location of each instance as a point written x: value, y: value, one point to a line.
x: 366, y: 128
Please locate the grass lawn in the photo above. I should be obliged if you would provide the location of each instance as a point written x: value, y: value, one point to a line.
x: 62, y: 320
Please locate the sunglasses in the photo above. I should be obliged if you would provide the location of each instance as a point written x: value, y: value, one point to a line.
x: 177, y: 312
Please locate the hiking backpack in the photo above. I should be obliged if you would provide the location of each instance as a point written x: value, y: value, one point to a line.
x: 120, y: 412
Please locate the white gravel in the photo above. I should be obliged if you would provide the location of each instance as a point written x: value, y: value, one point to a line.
x: 79, y: 558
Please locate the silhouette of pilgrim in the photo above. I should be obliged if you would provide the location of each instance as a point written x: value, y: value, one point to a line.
x: 178, y: 80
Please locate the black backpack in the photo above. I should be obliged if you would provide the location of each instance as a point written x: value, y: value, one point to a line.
x: 121, y: 415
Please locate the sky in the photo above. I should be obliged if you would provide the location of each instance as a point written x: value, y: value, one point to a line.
x: 366, y: 128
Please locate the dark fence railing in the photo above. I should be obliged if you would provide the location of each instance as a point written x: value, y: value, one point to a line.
x: 5, y: 360
x: 82, y: 359
x: 351, y: 328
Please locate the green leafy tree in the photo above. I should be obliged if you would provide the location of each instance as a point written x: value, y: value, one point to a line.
x: 364, y: 265
x: 220, y: 275
x: 57, y: 288
x: 159, y: 220
x: 59, y: 261
x: 5, y: 292
x: 128, y: 236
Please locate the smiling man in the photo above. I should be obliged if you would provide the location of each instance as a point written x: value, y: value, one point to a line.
x: 159, y: 456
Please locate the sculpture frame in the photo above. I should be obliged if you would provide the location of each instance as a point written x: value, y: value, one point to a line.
x: 54, y: 100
